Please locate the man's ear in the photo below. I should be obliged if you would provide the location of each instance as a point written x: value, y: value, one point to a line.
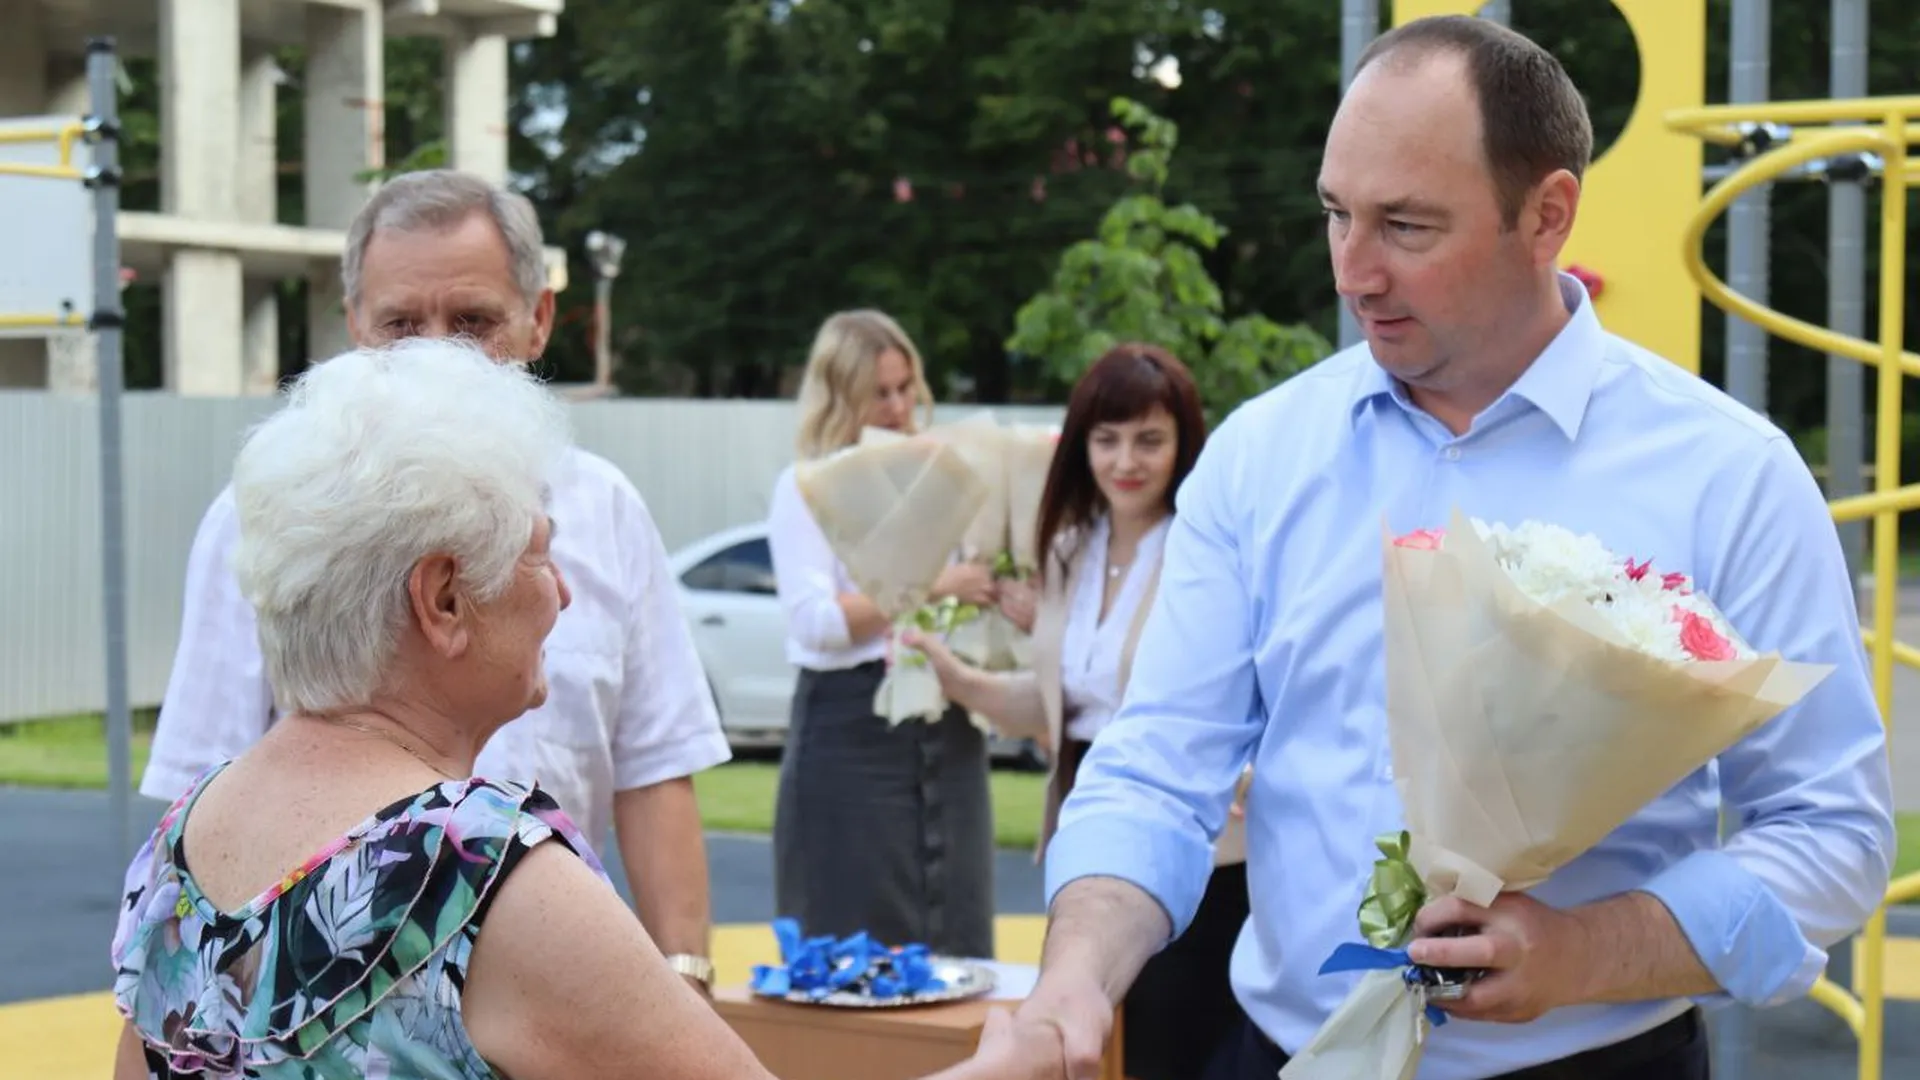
x: 543, y: 313
x: 440, y: 609
x: 1555, y: 204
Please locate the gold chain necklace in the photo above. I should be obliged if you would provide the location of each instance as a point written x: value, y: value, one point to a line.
x: 377, y: 733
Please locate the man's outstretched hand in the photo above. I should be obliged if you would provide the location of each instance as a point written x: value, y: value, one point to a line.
x: 1012, y: 1050
x: 1077, y: 1010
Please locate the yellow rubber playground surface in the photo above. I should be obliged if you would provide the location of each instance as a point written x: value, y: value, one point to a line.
x: 72, y: 1038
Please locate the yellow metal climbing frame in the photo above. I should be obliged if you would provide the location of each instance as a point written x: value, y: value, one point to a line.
x: 1887, y: 127
x: 66, y: 136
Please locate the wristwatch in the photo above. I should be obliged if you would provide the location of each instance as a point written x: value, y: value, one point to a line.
x: 697, y: 968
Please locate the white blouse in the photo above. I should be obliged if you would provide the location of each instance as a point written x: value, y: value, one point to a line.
x: 1091, y: 647
x: 810, y: 581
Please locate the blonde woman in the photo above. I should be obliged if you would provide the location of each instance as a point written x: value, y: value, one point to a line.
x: 1132, y: 432
x: 886, y: 829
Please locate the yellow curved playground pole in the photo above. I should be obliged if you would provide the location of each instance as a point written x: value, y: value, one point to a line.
x: 1892, y: 123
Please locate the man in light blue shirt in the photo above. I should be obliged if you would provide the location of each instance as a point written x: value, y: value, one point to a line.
x: 1451, y: 181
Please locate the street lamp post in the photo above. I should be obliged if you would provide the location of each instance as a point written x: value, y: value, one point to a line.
x: 605, y: 250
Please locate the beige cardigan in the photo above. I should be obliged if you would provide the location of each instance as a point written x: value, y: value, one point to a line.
x: 1030, y: 704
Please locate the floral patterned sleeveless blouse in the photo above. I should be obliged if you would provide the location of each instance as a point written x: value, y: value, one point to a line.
x: 352, y: 966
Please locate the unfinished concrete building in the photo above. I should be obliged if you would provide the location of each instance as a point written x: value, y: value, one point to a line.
x: 216, y: 246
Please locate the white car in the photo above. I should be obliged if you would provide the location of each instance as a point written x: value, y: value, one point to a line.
x: 728, y: 596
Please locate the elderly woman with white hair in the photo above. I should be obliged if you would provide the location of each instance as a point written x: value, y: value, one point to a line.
x: 316, y: 906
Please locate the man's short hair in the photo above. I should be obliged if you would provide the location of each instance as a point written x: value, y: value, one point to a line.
x: 439, y: 199
x: 1532, y: 118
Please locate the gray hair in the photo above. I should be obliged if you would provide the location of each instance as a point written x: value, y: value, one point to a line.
x: 380, y: 458
x: 435, y: 199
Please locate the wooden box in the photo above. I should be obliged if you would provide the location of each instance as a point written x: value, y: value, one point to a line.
x: 808, y: 1042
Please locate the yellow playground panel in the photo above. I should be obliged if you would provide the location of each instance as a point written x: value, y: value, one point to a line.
x: 1647, y: 184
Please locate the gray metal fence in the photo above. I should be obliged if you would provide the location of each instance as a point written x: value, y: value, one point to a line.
x: 701, y: 465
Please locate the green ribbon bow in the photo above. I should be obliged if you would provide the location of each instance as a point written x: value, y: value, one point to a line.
x: 1394, y: 894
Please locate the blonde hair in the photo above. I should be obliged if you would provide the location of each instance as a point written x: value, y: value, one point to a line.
x: 839, y: 379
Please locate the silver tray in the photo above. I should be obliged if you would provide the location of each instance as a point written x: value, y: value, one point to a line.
x: 964, y: 978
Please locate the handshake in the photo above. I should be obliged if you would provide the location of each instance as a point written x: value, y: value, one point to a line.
x: 1060, y: 1033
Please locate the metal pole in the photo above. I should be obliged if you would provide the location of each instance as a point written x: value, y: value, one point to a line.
x: 1500, y: 11
x: 1846, y: 288
x: 602, y: 330
x: 1746, y: 380
x: 104, y: 178
x: 1359, y: 24
x: 1748, y: 218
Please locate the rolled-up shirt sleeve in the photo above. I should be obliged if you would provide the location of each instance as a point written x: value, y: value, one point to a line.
x: 1152, y: 794
x: 218, y: 701
x: 1810, y: 790
x: 667, y: 727
x: 804, y: 571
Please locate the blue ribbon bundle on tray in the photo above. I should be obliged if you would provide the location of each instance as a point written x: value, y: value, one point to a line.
x: 820, y: 967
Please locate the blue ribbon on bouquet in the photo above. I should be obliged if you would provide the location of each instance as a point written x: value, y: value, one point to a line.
x: 822, y: 966
x: 1353, y: 956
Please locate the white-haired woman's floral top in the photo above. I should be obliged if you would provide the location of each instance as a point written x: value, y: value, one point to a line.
x: 352, y: 966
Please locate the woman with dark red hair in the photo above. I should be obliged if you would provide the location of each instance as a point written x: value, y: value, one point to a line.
x: 1132, y: 432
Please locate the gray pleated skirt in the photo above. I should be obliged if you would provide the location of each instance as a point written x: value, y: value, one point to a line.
x: 887, y: 830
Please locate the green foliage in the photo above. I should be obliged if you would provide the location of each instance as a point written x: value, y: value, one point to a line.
x: 1143, y: 278
x: 427, y: 155
x: 939, y: 618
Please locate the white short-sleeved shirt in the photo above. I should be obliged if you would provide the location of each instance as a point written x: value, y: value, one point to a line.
x: 627, y: 702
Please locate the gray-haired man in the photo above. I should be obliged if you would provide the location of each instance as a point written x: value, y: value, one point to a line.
x: 628, y: 718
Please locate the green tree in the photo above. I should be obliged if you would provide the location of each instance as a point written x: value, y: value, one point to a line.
x: 771, y: 162
x: 1142, y: 278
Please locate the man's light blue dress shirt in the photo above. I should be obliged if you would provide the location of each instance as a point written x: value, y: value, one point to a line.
x: 1265, y: 643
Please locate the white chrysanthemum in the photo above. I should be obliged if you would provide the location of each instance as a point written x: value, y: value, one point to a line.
x: 1549, y: 563
x: 1644, y: 617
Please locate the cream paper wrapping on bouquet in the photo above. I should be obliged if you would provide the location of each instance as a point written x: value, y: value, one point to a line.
x: 894, y: 507
x: 1028, y: 458
x: 1013, y: 461
x: 892, y: 512
x: 1521, y: 735
x: 981, y: 444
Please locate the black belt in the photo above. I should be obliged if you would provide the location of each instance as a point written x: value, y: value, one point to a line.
x: 1647, y: 1049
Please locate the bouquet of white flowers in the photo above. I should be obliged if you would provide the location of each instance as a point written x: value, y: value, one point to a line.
x: 1541, y: 690
x: 1010, y: 464
x: 892, y: 512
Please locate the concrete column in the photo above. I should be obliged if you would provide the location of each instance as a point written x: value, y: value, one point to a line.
x: 23, y: 91
x: 257, y: 177
x: 476, y: 103
x: 200, y: 179
x: 345, y: 86
x: 261, y: 346
x: 260, y: 204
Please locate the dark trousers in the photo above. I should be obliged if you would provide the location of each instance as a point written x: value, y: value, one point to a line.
x: 1676, y: 1050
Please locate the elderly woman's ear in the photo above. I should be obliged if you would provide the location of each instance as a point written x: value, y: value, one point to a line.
x: 441, y: 608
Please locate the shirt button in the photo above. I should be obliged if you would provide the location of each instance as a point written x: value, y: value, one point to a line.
x: 1451, y: 453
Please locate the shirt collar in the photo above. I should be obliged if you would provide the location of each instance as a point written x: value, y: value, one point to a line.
x: 1559, y: 382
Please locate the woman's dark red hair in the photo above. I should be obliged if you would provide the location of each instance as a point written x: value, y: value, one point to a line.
x: 1123, y: 385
